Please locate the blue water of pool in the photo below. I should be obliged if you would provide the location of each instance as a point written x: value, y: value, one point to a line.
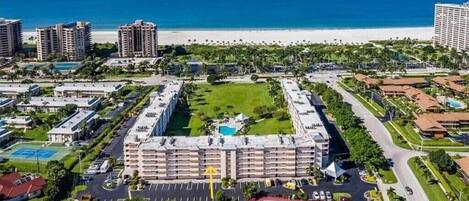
x: 226, y: 130
x: 454, y: 103
x: 60, y: 66
x: 32, y: 153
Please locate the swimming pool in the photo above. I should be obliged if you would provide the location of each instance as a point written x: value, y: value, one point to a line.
x: 60, y: 66
x: 453, y: 103
x: 226, y: 130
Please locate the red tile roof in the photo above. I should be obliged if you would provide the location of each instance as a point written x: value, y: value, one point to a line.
x: 452, y: 83
x: 11, y: 185
x: 431, y: 122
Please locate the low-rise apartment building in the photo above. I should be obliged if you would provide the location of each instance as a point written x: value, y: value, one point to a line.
x: 96, y: 89
x: 71, y: 128
x: 6, y: 103
x: 18, y: 121
x: 4, y: 135
x: 157, y: 157
x: 455, y: 83
x: 369, y: 82
x: 15, y: 90
x: 437, y: 124
x: 52, y: 104
x: 424, y: 101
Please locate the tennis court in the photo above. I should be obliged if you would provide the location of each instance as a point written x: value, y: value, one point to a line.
x: 34, y: 151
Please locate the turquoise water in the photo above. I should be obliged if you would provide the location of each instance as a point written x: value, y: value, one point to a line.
x: 226, y: 130
x: 453, y: 103
x: 60, y: 66
x: 226, y: 14
x: 31, y: 153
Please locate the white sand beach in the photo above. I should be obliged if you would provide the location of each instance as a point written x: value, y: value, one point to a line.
x: 284, y: 37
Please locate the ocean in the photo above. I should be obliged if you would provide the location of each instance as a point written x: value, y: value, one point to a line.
x: 226, y: 14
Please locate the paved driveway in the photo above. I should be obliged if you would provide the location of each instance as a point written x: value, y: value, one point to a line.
x: 383, y: 138
x: 200, y: 191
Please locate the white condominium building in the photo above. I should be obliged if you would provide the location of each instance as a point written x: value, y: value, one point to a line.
x: 52, y: 104
x: 70, y: 129
x: 139, y: 39
x: 18, y: 121
x: 72, y: 40
x: 96, y: 89
x: 6, y: 103
x: 157, y: 157
x: 10, y: 37
x: 15, y: 90
x: 452, y: 26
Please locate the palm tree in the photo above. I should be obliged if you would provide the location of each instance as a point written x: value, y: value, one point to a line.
x: 249, y: 190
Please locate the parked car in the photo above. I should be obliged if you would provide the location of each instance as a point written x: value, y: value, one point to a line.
x: 278, y: 182
x: 409, y: 190
x: 304, y: 182
x: 316, y: 195
x: 322, y: 195
x: 328, y: 196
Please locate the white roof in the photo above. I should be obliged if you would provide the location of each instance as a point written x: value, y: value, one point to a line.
x: 149, y: 117
x: 18, y: 88
x: 228, y: 142
x: 334, y: 170
x: 71, y: 124
x: 107, y: 87
x: 18, y: 120
x: 5, y: 101
x: 60, y: 101
x: 241, y: 117
x: 126, y: 61
x: 309, y: 119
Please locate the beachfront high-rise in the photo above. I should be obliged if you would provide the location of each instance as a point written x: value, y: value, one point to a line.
x: 139, y: 39
x: 71, y: 40
x: 10, y: 37
x: 452, y: 26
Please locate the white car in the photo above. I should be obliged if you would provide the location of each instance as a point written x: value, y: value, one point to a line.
x: 315, y: 195
x: 322, y: 196
x: 328, y: 196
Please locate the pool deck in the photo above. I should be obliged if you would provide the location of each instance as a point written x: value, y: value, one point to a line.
x: 231, y: 122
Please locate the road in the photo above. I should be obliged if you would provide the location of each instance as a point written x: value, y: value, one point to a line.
x: 379, y: 133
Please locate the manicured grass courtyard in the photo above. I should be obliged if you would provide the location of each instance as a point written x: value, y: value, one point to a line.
x: 216, y: 101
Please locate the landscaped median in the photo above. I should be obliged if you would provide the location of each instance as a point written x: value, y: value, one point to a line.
x: 432, y: 189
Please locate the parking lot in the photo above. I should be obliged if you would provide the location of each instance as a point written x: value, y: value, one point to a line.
x: 200, y: 191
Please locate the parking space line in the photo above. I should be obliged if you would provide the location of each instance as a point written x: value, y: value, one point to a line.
x: 197, y: 188
x: 200, y: 198
x: 187, y: 199
x: 180, y: 199
x: 169, y: 186
x: 203, y: 186
x: 193, y: 198
x: 259, y: 184
x: 206, y: 198
x: 175, y: 185
x: 162, y: 187
x: 156, y: 187
x: 161, y: 199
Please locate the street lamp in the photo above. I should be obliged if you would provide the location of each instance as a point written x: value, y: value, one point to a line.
x: 37, y: 157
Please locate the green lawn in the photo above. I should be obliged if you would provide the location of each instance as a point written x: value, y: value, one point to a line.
x: 397, y: 139
x: 410, y: 134
x: 433, y: 191
x: 338, y: 195
x: 372, y: 106
x: 38, y: 134
x: 387, y: 176
x: 227, y: 99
